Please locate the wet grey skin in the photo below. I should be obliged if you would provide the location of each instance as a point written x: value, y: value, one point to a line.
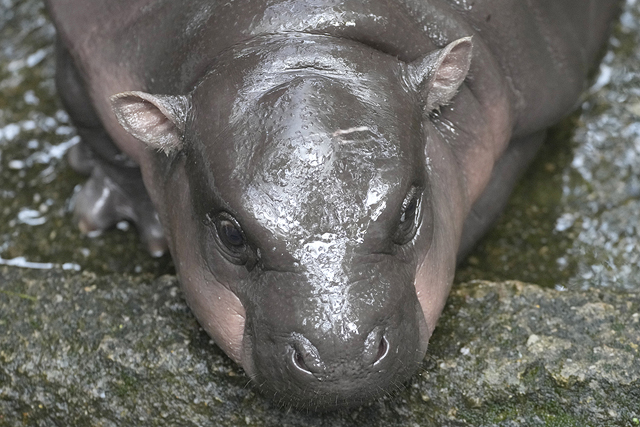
x: 315, y: 167
x: 328, y: 213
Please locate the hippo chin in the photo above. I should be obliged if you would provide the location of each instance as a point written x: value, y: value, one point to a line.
x: 315, y: 167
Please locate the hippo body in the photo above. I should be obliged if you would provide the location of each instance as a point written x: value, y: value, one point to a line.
x: 315, y: 167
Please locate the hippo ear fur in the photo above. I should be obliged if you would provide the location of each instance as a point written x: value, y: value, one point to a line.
x: 157, y: 120
x: 439, y: 74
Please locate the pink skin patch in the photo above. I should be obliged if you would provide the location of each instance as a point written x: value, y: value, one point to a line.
x: 215, y: 305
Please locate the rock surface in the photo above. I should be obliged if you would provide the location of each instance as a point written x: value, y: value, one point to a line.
x: 115, y: 350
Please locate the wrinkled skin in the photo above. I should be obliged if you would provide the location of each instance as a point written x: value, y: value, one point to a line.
x: 315, y: 167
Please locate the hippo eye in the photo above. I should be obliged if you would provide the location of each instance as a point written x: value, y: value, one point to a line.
x: 409, y: 217
x: 230, y: 238
x: 230, y: 234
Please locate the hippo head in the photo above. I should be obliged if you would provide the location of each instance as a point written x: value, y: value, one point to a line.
x: 309, y: 231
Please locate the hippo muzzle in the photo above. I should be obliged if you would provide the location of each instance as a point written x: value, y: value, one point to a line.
x: 331, y: 341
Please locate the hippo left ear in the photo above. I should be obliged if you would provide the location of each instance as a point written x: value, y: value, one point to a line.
x: 439, y: 74
x: 157, y: 120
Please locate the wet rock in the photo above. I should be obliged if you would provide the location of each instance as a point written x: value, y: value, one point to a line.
x: 116, y: 350
x: 518, y: 354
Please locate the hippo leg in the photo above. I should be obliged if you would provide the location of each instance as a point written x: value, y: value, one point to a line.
x: 505, y: 175
x: 114, y: 190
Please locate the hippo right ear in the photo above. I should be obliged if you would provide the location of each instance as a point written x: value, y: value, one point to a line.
x: 157, y: 120
x: 439, y: 74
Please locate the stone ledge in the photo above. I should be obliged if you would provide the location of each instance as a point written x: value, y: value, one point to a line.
x: 125, y: 350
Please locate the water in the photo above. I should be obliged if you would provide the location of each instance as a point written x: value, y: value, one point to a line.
x: 36, y: 184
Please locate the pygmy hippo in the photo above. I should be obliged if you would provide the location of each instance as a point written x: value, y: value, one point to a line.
x: 315, y: 167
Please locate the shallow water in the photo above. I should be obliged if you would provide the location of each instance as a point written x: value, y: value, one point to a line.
x: 572, y: 222
x: 36, y: 184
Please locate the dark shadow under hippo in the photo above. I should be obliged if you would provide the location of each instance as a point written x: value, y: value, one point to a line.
x: 315, y: 167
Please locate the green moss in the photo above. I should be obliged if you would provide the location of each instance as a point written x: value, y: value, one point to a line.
x: 19, y: 295
x: 628, y: 44
x: 524, y: 411
x: 618, y: 327
x: 126, y: 386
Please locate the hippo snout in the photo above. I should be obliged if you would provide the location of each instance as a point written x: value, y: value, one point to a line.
x: 307, y: 361
x: 341, y: 367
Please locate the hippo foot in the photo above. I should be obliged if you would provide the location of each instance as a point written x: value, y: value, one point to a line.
x: 104, y: 201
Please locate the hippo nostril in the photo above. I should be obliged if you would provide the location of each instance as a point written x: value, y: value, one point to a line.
x: 303, y: 355
x: 383, y: 349
x: 298, y: 361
